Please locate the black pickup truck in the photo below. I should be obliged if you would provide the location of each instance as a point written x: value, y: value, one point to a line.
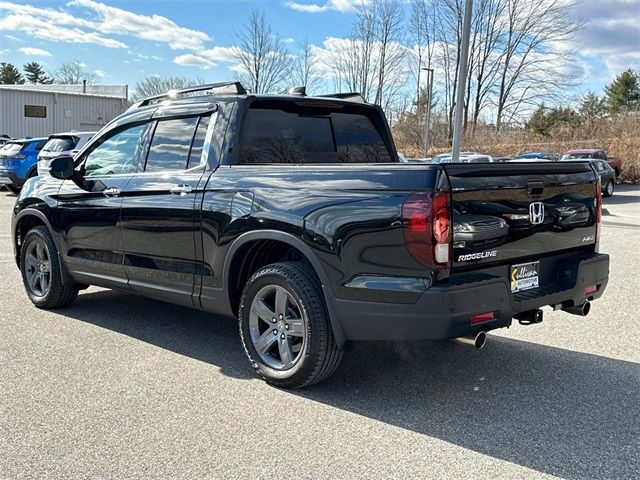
x: 294, y: 214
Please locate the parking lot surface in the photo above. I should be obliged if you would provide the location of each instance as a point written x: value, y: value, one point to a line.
x: 118, y: 386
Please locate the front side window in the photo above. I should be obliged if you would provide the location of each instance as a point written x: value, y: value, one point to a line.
x: 116, y: 154
x: 170, y: 146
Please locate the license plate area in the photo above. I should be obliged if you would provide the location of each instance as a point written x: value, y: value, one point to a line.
x: 524, y: 276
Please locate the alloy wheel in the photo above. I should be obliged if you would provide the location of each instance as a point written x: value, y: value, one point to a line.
x: 38, y: 268
x: 277, y: 325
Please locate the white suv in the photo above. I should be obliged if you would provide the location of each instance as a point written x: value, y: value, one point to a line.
x: 61, y: 144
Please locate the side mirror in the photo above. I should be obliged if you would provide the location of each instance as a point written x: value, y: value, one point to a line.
x: 62, y: 168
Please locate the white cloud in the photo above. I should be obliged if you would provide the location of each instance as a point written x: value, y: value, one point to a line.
x: 190, y: 60
x: 219, y: 54
x: 99, y: 73
x: 610, y: 34
x: 155, y: 27
x: 344, y: 6
x: 52, y: 25
x: 36, y: 52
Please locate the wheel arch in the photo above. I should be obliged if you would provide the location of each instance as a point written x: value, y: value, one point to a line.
x: 244, y: 243
x: 24, y: 221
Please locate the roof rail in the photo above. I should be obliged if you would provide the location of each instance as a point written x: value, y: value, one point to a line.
x: 209, y: 89
x: 351, y: 96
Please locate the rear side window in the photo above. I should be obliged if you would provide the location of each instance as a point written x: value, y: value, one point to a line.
x: 310, y: 135
x: 198, y: 142
x: 169, y: 149
x: 60, y: 144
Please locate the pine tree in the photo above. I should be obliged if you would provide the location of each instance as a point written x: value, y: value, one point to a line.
x: 592, y: 107
x: 539, y: 121
x: 10, y: 75
x: 36, y: 74
x: 624, y: 92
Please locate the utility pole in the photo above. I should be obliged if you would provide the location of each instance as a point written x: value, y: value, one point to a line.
x: 462, y: 78
x: 427, y: 113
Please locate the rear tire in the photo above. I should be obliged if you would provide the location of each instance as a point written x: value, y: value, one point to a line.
x: 41, y: 271
x: 608, y: 189
x: 284, y: 326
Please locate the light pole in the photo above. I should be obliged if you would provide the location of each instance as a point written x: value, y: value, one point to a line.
x: 427, y: 113
x: 462, y: 78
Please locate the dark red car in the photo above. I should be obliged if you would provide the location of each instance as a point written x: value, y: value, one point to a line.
x: 595, y: 153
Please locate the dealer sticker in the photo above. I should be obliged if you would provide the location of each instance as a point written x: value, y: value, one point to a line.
x: 524, y: 276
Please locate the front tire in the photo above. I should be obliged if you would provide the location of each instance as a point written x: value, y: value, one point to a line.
x: 284, y: 326
x: 608, y: 189
x: 13, y: 188
x: 41, y: 271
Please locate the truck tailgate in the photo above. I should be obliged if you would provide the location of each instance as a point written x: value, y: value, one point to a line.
x: 513, y: 212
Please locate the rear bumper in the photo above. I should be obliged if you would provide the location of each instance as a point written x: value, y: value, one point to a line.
x: 10, y: 178
x: 444, y: 311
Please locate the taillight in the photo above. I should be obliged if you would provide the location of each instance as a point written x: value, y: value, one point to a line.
x: 427, y: 228
x: 598, y: 211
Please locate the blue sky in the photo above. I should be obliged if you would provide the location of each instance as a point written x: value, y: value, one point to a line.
x: 123, y: 41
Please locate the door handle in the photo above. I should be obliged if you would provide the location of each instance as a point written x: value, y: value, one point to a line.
x: 111, y: 192
x: 181, y: 190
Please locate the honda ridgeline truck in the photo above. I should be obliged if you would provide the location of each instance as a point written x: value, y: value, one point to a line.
x: 294, y: 215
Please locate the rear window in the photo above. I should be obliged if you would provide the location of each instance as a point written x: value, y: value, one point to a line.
x: 12, y: 147
x: 60, y: 144
x: 293, y: 134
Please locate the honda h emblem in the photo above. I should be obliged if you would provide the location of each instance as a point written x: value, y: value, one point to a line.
x: 536, y: 213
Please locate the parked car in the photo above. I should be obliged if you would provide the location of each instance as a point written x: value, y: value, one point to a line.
x: 4, y: 139
x: 529, y: 160
x: 18, y: 160
x: 554, y: 157
x: 465, y: 157
x: 61, y: 144
x: 595, y: 153
x: 294, y: 215
x: 606, y: 173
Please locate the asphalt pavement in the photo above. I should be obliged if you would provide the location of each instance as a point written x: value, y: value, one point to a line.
x: 118, y: 386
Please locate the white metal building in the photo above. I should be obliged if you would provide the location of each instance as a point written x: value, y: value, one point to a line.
x: 39, y: 111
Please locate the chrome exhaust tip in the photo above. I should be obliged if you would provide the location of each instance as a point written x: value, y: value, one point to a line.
x: 478, y: 340
x: 581, y: 310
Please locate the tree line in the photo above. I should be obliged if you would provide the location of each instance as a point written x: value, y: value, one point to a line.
x: 68, y: 73
x: 621, y: 95
x: 520, y: 51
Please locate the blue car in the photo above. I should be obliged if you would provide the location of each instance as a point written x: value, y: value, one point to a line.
x: 554, y: 157
x: 18, y: 162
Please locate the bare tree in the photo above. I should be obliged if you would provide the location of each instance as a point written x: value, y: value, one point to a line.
x: 263, y: 59
x: 371, y: 60
x: 489, y: 20
x: 157, y: 85
x: 528, y: 67
x: 73, y: 73
x: 422, y: 35
x: 305, y: 70
x: 388, y: 21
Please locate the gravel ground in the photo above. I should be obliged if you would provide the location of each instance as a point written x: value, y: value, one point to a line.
x: 118, y: 386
